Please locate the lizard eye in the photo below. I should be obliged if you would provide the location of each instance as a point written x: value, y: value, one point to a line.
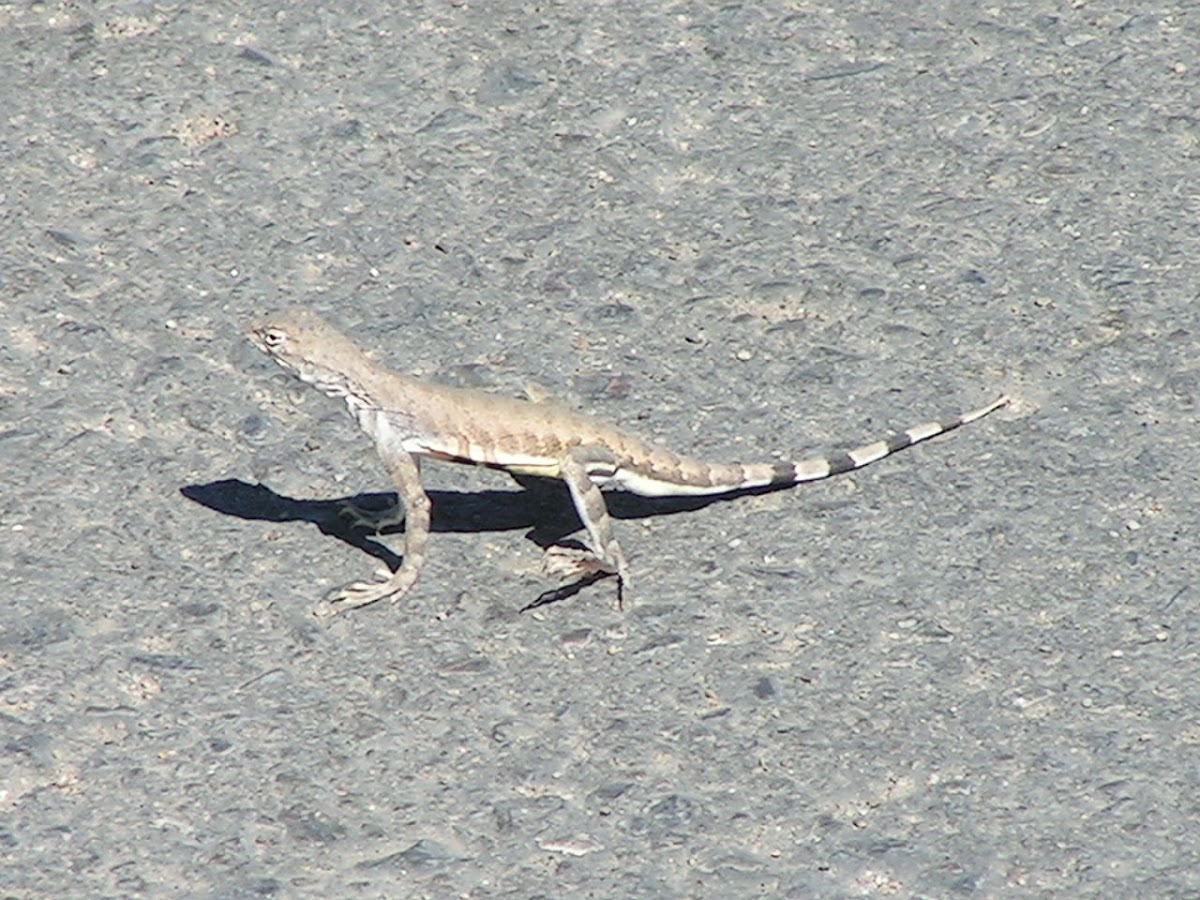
x: 273, y: 337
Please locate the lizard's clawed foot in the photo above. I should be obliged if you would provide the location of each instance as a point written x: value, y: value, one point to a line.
x: 581, y: 568
x: 563, y: 562
x: 358, y: 594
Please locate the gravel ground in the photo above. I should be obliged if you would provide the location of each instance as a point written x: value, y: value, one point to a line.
x: 750, y: 231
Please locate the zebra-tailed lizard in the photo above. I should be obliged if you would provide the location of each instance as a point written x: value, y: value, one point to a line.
x: 408, y: 419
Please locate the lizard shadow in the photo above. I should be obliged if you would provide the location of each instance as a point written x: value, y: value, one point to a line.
x: 541, y: 505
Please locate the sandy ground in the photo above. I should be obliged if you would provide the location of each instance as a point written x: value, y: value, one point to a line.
x: 750, y: 231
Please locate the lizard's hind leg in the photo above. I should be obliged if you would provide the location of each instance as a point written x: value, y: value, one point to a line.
x: 607, y: 556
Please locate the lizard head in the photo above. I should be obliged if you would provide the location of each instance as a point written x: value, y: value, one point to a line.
x: 309, y: 347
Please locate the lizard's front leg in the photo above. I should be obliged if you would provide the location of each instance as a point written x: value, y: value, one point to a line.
x: 402, y: 467
x: 593, y: 511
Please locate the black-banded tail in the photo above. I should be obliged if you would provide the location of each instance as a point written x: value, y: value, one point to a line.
x: 816, y: 469
x: 657, y: 472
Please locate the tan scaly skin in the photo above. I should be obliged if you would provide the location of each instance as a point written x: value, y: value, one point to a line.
x: 409, y: 419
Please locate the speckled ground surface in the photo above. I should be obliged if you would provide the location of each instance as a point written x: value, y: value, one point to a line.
x: 745, y: 230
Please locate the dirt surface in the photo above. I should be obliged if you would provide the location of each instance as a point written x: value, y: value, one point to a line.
x: 749, y: 231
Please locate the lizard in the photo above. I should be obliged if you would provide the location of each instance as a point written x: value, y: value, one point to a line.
x: 409, y: 419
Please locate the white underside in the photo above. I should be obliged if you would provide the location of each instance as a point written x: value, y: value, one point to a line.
x: 645, y: 486
x: 549, y: 467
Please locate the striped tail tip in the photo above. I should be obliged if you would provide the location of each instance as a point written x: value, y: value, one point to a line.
x: 816, y: 469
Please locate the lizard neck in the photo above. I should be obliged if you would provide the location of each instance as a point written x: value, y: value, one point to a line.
x: 338, y: 384
x: 350, y: 384
x: 376, y: 398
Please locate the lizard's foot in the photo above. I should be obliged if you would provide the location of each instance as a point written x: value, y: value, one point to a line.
x: 581, y: 568
x: 358, y: 594
x: 370, y: 519
x: 563, y: 562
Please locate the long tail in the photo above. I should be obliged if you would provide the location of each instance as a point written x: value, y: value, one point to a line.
x: 665, y: 474
x: 816, y: 469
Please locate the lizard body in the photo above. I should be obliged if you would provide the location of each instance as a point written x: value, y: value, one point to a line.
x: 408, y: 419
